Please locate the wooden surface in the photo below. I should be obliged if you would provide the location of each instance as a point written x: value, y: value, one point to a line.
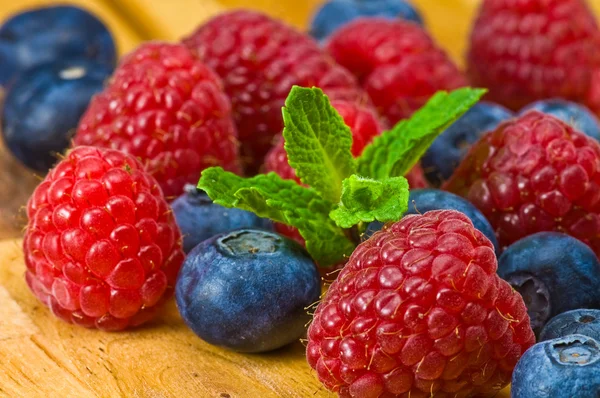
x: 41, y: 356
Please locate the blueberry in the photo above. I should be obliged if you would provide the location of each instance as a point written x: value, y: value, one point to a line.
x: 449, y: 149
x: 247, y: 290
x: 336, y: 13
x: 567, y: 367
x: 50, y: 34
x: 43, y: 106
x: 554, y: 273
x: 424, y: 200
x: 582, y: 321
x: 579, y: 116
x: 199, y: 218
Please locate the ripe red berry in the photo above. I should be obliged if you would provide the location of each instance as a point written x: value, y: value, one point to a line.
x: 532, y: 174
x: 259, y: 60
x: 523, y: 51
x: 396, y: 62
x: 168, y: 109
x: 101, y: 247
x: 419, y: 311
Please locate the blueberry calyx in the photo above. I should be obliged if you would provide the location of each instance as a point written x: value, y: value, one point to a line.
x: 575, y: 350
x: 248, y: 242
x: 536, y: 297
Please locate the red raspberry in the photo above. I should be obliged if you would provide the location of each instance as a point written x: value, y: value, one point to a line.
x: 419, y: 311
x: 534, y: 173
x: 364, y: 124
x: 169, y: 110
x: 416, y: 178
x: 529, y: 50
x: 102, y: 248
x: 397, y: 63
x: 259, y: 60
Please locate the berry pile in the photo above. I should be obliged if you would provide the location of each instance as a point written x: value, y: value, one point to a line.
x: 434, y: 292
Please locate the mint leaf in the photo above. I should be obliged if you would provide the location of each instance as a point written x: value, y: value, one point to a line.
x: 366, y: 200
x: 268, y: 195
x: 317, y: 141
x: 396, y: 151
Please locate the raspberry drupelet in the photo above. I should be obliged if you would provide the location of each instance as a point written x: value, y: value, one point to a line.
x: 419, y: 311
x: 168, y: 109
x: 259, y: 59
x: 532, y: 174
x: 102, y: 248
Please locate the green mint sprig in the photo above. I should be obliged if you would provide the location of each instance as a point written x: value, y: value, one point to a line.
x: 345, y: 193
x: 317, y: 142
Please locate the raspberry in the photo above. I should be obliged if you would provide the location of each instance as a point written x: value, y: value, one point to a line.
x: 416, y: 178
x: 396, y: 62
x: 523, y: 51
x: 169, y: 110
x: 532, y: 174
x: 102, y: 248
x: 259, y: 60
x: 364, y: 125
x: 419, y: 311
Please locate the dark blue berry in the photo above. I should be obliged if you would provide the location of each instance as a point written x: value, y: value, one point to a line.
x: 247, y: 290
x: 199, y: 218
x: 582, y: 321
x: 567, y: 367
x: 577, y: 115
x: 50, y: 34
x: 336, y: 13
x: 449, y: 149
x: 424, y: 200
x: 554, y: 273
x: 43, y: 106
